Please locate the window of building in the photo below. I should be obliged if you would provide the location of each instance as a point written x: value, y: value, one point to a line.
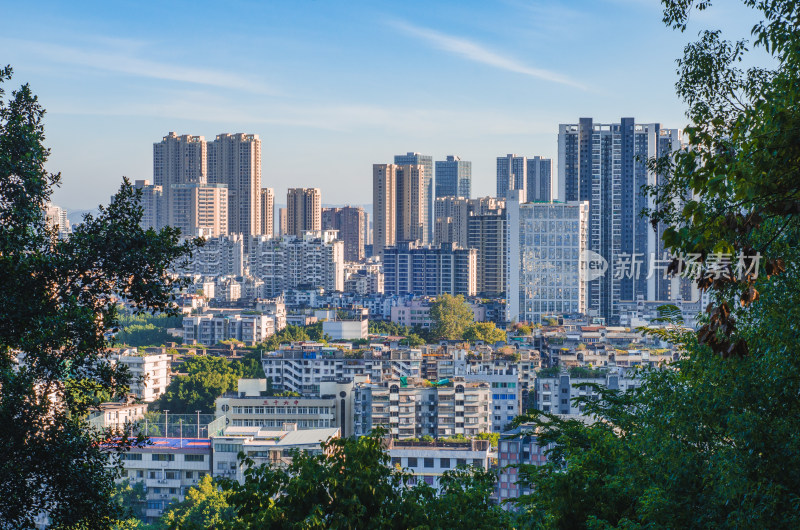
x: 152, y: 474
x: 444, y: 463
x: 194, y: 458
x: 477, y: 462
x: 412, y: 461
x: 162, y: 457
x: 226, y: 448
x: 190, y: 474
x: 132, y: 456
x: 171, y: 475
x: 427, y: 462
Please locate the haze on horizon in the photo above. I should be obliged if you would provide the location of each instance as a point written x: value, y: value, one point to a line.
x: 333, y: 88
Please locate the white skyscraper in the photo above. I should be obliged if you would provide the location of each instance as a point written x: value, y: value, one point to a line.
x: 546, y: 245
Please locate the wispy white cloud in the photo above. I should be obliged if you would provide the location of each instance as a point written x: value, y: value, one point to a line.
x: 126, y: 59
x: 476, y: 52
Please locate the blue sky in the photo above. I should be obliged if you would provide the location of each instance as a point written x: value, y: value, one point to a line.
x: 333, y: 87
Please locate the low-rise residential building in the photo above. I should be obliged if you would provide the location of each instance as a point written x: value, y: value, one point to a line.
x: 150, y: 374
x: 210, y: 330
x: 427, y: 461
x: 302, y: 366
x: 250, y: 406
x: 116, y: 416
x: 346, y: 329
x: 167, y: 467
x: 555, y: 393
x: 517, y: 447
x: 264, y: 445
x: 412, y: 408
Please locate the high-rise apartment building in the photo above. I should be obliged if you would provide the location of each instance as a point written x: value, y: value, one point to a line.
x: 384, y: 204
x: 539, y: 179
x: 303, y: 210
x: 153, y: 214
x: 426, y: 163
x: 451, y: 214
x: 487, y: 235
x: 350, y: 222
x: 546, y: 246
x: 411, y: 204
x: 282, y: 222
x: 288, y: 262
x: 399, y: 204
x: 426, y: 270
x: 605, y: 164
x: 178, y: 160
x: 235, y: 160
x: 511, y: 174
x: 453, y: 177
x: 267, y: 212
x: 219, y: 256
x: 199, y: 209
x: 56, y: 217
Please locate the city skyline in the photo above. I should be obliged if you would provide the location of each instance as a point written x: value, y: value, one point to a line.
x: 115, y: 82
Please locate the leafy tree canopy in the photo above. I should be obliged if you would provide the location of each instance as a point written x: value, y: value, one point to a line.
x: 451, y: 316
x: 484, y: 331
x: 352, y: 485
x: 57, y: 306
x: 206, y: 379
x: 206, y: 506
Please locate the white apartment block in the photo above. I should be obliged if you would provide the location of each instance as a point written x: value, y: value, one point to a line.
x: 210, y: 330
x: 546, y: 270
x: 150, y: 374
x: 251, y: 407
x: 56, y: 217
x: 303, y: 366
x: 428, y: 462
x: 289, y: 262
x: 219, y: 256
x: 168, y: 467
x: 153, y: 212
x: 410, y: 408
x: 114, y: 415
x: 264, y: 445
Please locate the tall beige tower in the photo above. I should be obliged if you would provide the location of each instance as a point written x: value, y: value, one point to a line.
x: 178, y: 160
x: 384, y: 202
x: 200, y: 209
x: 303, y: 210
x: 411, y: 203
x: 267, y: 212
x: 235, y: 160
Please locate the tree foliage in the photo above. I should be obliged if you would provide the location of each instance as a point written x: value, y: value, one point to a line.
x: 484, y: 331
x: 352, y: 485
x: 451, y: 316
x: 206, y: 379
x: 57, y: 304
x: 206, y: 506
